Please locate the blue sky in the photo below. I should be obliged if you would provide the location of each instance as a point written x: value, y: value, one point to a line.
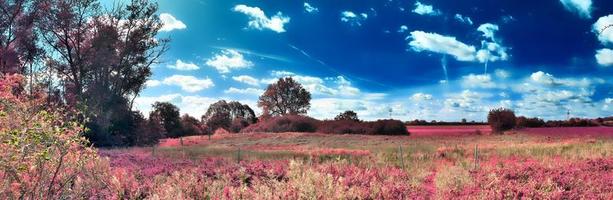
x: 434, y: 60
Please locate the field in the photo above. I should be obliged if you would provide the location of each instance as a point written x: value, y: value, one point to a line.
x: 441, y: 163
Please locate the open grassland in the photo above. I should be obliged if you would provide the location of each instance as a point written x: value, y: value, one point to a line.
x: 533, y: 163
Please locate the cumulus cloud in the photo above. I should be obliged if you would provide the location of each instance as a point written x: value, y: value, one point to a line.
x: 248, y: 91
x: 478, y: 81
x: 604, y: 57
x: 463, y: 19
x: 423, y: 41
x: 189, y: 83
x: 247, y: 80
x: 603, y: 28
x: 583, y: 8
x: 228, y: 60
x: 310, y: 9
x: 170, y: 23
x: 183, y: 66
x: 424, y: 9
x: 352, y: 18
x: 418, y: 97
x: 258, y: 19
x: 153, y: 83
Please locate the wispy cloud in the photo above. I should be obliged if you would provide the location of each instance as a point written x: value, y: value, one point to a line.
x: 583, y: 8
x: 189, y: 83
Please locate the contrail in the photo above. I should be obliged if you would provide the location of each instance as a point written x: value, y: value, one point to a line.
x: 444, y: 65
x: 485, y: 73
x: 322, y: 63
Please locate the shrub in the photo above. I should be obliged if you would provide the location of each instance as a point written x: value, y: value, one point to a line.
x: 501, y: 119
x: 286, y: 123
x: 238, y: 124
x: 43, y: 154
x: 524, y: 122
x: 345, y: 127
x: 380, y: 127
x: 347, y: 115
x: 389, y: 127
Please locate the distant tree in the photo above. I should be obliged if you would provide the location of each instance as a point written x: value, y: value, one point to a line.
x: 191, y: 126
x: 148, y: 131
x: 286, y: 96
x: 347, y: 115
x: 464, y: 121
x: 221, y: 114
x: 219, y: 120
x: 170, y: 117
x: 501, y: 119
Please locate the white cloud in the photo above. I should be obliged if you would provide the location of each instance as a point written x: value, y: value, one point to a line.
x: 491, y: 51
x: 189, y: 83
x: 463, y: 19
x: 467, y: 101
x: 170, y: 23
x: 153, y: 83
x: 259, y: 20
x: 403, y: 28
x: 352, y: 18
x: 478, y: 81
x: 183, y: 66
x: 422, y: 41
x: 424, y: 9
x: 310, y: 9
x: 581, y: 7
x: 501, y: 73
x: 603, y: 28
x: 228, y: 60
x: 418, y: 97
x: 247, y: 80
x: 604, y: 57
x: 249, y: 91
x: 488, y: 30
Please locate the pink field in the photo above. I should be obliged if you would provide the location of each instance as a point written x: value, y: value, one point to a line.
x: 449, y: 130
x: 601, y: 131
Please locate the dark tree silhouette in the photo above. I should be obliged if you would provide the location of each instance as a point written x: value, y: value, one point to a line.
x: 347, y: 115
x: 222, y: 114
x: 286, y: 96
x: 191, y: 126
x: 170, y: 118
x: 501, y: 119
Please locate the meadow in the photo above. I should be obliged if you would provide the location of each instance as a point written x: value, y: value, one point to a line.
x: 443, y: 162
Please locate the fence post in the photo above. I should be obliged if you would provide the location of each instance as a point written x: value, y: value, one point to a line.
x: 153, y: 151
x: 476, y: 157
x: 401, y: 156
x: 181, y: 140
x: 238, y: 155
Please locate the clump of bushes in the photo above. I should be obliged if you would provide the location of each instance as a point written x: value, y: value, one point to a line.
x: 388, y: 127
x: 285, y: 123
x: 524, y: 122
x: 501, y: 119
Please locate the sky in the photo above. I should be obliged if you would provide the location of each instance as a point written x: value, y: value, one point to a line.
x: 432, y: 60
